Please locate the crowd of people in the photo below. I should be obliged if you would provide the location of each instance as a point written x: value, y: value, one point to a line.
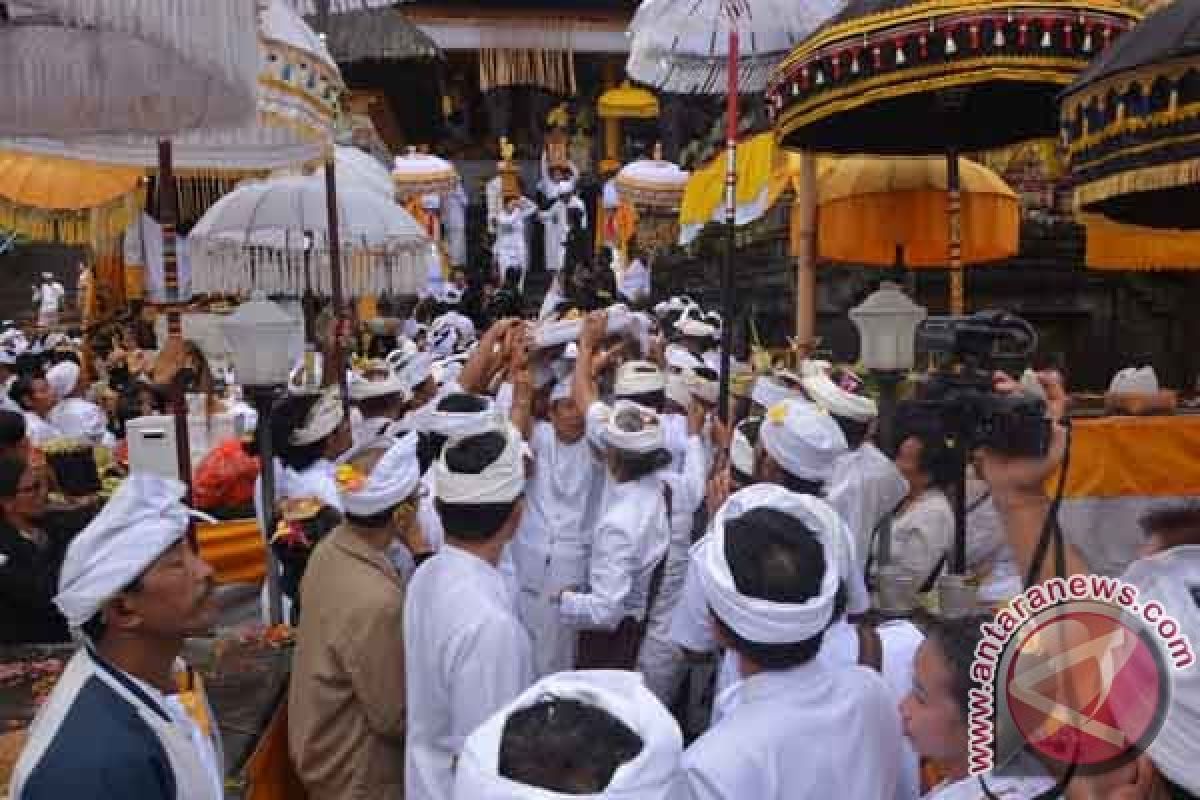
x: 509, y: 554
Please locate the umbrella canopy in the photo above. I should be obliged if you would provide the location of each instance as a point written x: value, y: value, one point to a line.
x: 652, y: 184
x: 298, y: 93
x: 867, y: 208
x: 255, y: 237
x: 81, y: 68
x: 355, y: 167
x: 682, y: 45
x: 1130, y: 124
x: 311, y: 7
x: 59, y: 200
x: 417, y: 174
x: 1114, y: 246
x: 378, y: 34
x: 627, y: 102
x: 922, y: 78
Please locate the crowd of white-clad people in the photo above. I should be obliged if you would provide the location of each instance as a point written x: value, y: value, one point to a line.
x: 519, y: 562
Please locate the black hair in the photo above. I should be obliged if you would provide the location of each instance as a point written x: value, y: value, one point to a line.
x: 773, y: 556
x: 936, y: 460
x: 462, y: 403
x: 11, y: 470
x: 381, y: 406
x: 12, y: 428
x: 799, y: 485
x: 289, y: 415
x: 95, y: 628
x: 1176, y: 520
x: 956, y: 640
x: 476, y: 522
x: 564, y: 745
x: 854, y: 431
x: 22, y: 388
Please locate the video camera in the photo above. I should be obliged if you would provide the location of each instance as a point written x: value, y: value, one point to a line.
x: 958, y: 399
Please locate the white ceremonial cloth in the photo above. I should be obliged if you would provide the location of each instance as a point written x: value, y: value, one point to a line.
x: 552, y: 545
x: 466, y: 657
x: 969, y: 788
x: 808, y: 732
x: 629, y: 541
x: 648, y: 776
x: 38, y: 430
x: 865, y: 488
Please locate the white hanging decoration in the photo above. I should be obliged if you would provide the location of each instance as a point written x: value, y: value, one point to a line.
x: 1047, y: 40
x: 820, y: 79
x: 854, y: 65
x: 1087, y: 41
x: 899, y: 55
x: 951, y: 47
x: 999, y: 40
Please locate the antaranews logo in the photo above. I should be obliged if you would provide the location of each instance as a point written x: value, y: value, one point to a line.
x: 1076, y: 670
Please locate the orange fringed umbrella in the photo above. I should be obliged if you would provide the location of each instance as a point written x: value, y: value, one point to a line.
x: 1116, y: 246
x: 872, y: 209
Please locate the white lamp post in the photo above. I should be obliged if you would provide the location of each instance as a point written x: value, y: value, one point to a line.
x: 887, y: 324
x: 259, y: 335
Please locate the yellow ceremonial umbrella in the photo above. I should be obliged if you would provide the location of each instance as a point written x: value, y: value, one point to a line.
x: 62, y: 200
x: 1116, y: 246
x: 871, y: 210
x: 624, y: 102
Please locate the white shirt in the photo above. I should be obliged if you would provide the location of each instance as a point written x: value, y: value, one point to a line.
x: 808, y: 732
x: 630, y: 540
x: 466, y: 657
x: 204, y: 745
x: 969, y: 788
x: 38, y: 430
x: 635, y: 281
x: 989, y: 555
x: 922, y: 535
x: 49, y: 296
x: 865, y: 487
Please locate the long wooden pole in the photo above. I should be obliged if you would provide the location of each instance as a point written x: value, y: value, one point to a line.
x: 958, y: 304
x: 806, y: 258
x: 168, y: 218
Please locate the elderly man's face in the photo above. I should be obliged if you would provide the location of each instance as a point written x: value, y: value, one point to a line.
x: 177, y: 595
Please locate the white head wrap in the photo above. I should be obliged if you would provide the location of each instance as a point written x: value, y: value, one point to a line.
x: 821, y: 389
x: 677, y: 390
x: 391, y: 482
x: 362, y: 388
x: 414, y: 370
x: 803, y: 440
x: 8, y: 356
x: 144, y: 519
x: 562, y: 389
x: 680, y: 358
x: 765, y: 621
x: 460, y: 424
x: 323, y: 419
x: 637, y: 378
x: 503, y: 481
x: 443, y: 338
x: 647, y: 440
x: 689, y: 326
x: 741, y: 450
x: 769, y: 392
x: 1170, y: 578
x: 701, y: 388
x: 651, y: 775
x: 1133, y: 380
x: 63, y: 378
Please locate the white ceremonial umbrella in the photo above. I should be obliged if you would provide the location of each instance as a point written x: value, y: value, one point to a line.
x: 308, y: 7
x: 356, y: 167
x: 696, y: 47
x: 298, y: 86
x: 254, y: 238
x: 82, y: 68
x: 418, y: 174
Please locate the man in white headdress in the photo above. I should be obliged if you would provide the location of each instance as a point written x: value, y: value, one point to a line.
x: 346, y: 700
x: 378, y: 396
x: 72, y: 415
x: 454, y: 220
x: 466, y: 653
x: 48, y: 298
x: 126, y: 718
x: 865, y: 486
x: 771, y: 570
x: 599, y: 735
x: 558, y: 185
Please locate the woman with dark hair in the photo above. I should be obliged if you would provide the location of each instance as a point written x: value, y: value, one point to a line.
x: 30, y: 558
x: 937, y: 712
x: 923, y: 528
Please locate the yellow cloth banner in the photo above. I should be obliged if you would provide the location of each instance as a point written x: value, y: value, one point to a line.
x: 1134, y: 457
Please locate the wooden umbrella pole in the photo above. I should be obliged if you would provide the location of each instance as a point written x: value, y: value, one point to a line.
x: 168, y: 218
x: 958, y: 303
x: 730, y: 222
x: 806, y: 257
x: 335, y: 276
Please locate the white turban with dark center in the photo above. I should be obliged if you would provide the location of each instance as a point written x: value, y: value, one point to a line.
x: 841, y: 400
x: 648, y: 436
x: 323, y: 419
x: 650, y: 775
x: 63, y: 377
x: 767, y: 621
x: 502, y: 481
x: 637, y: 378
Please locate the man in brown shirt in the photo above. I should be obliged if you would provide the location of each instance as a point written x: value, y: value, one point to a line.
x: 346, y: 703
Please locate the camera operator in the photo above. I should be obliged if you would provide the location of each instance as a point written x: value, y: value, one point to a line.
x: 1170, y: 575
